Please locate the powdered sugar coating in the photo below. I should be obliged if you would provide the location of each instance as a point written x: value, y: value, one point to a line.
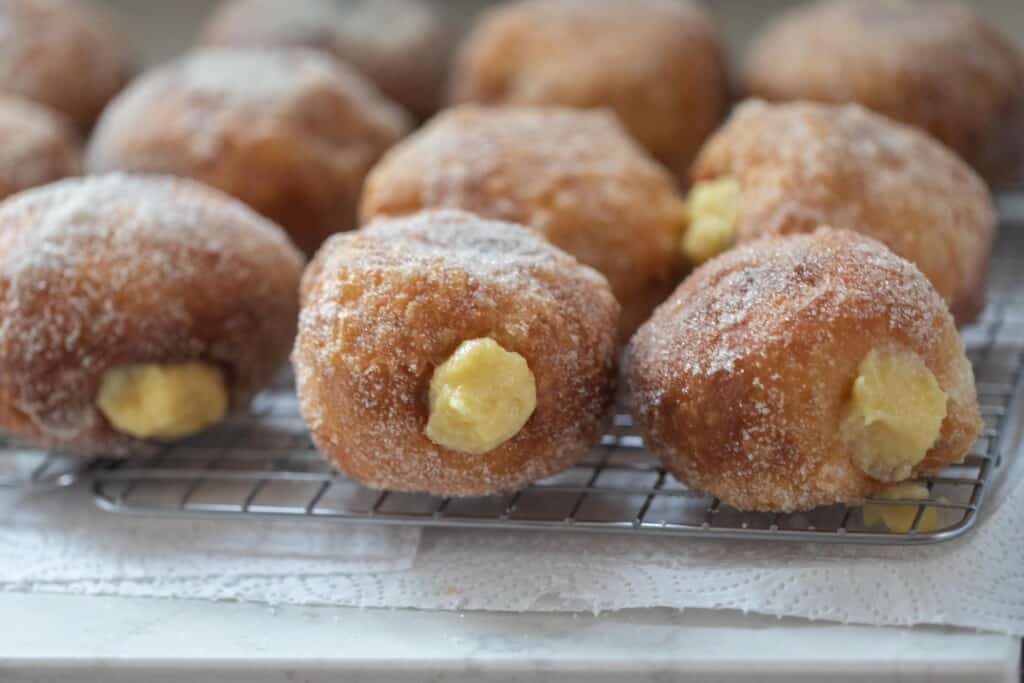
x: 291, y: 132
x: 400, y: 45
x: 739, y: 379
x: 112, y: 270
x: 384, y: 306
x: 802, y: 165
x: 575, y: 177
x: 37, y: 145
x: 658, y: 64
x: 933, y: 64
x: 66, y: 54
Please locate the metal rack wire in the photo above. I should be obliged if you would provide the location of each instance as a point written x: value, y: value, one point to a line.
x: 29, y: 468
x: 264, y: 464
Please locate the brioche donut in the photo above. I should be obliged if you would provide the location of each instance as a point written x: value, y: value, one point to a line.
x: 802, y: 371
x: 66, y: 54
x: 575, y: 177
x: 777, y: 169
x: 400, y: 45
x: 448, y: 354
x: 932, y: 64
x: 135, y: 310
x: 658, y: 64
x: 291, y: 133
x: 37, y: 146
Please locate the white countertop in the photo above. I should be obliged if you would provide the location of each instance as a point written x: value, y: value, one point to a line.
x: 51, y: 638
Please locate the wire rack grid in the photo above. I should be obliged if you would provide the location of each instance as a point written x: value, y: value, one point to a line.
x: 264, y: 464
x: 26, y: 467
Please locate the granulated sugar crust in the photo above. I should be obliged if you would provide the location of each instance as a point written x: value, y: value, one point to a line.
x: 802, y: 165
x: 658, y: 64
x: 292, y: 133
x: 384, y: 306
x: 739, y: 379
x: 111, y: 270
x: 573, y: 176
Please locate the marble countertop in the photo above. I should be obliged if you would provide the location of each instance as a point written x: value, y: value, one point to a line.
x: 53, y: 638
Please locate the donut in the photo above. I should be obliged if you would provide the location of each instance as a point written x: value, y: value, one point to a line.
x: 785, y: 168
x: 935, y: 65
x: 658, y: 64
x: 37, y: 146
x: 402, y: 46
x: 449, y: 354
x: 805, y: 370
x: 291, y: 133
x: 136, y: 310
x: 573, y: 176
x: 65, y: 54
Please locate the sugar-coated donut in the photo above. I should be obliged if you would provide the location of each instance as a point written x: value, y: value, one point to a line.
x: 933, y: 64
x: 573, y: 176
x: 66, y: 54
x: 444, y: 353
x: 37, y: 146
x: 658, y: 64
x: 136, y: 309
x: 292, y: 133
x: 801, y: 371
x: 400, y: 45
x: 784, y: 168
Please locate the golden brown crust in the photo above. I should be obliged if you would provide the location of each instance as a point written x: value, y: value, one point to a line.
x: 802, y: 165
x: 64, y: 54
x: 658, y: 64
x: 384, y: 306
x: 574, y: 177
x: 37, y: 146
x: 292, y: 133
x: 935, y: 65
x: 739, y: 379
x: 400, y: 45
x: 113, y: 270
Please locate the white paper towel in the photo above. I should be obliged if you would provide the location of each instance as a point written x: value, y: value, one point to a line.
x: 56, y: 543
x: 60, y: 537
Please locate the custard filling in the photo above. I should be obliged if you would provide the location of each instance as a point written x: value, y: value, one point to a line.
x: 894, y: 414
x: 899, y: 518
x: 152, y: 401
x: 712, y: 214
x: 480, y: 397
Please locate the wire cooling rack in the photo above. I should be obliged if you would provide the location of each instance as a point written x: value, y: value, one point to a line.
x: 30, y: 468
x: 264, y: 464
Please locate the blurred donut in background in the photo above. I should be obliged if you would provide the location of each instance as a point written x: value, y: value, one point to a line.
x: 292, y: 133
x: 658, y: 64
x: 400, y: 45
x: 935, y: 65
x: 37, y: 146
x: 65, y: 54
